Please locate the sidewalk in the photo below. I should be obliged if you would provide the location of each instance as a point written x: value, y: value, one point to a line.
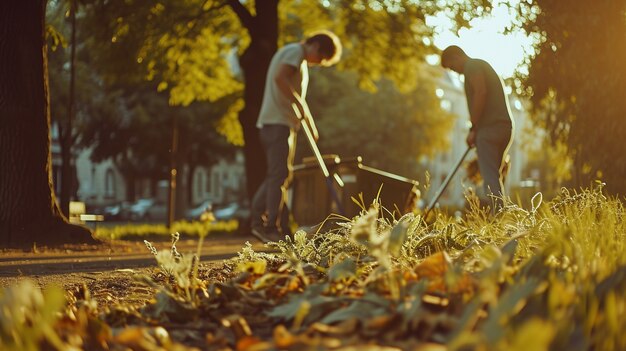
x: 115, y: 256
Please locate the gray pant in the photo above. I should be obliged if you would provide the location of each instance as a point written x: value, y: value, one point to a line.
x: 270, y: 196
x: 492, y: 144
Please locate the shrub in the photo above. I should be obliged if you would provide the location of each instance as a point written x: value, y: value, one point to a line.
x: 160, y: 231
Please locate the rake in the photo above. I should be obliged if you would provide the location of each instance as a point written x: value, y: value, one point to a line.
x: 318, y: 156
x: 445, y: 183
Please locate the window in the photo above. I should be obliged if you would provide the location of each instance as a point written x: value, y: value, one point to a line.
x: 109, y: 184
x: 208, y: 185
x: 215, y: 187
x: 199, y: 183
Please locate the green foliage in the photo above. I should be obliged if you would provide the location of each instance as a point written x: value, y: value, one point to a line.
x: 144, y: 231
x: 576, y: 81
x: 33, y: 319
x: 186, y: 48
x: 137, y: 134
x: 549, y: 277
x: 390, y: 129
x: 181, y: 46
x: 28, y: 316
x: 528, y: 269
x: 182, y: 270
x: 123, y: 117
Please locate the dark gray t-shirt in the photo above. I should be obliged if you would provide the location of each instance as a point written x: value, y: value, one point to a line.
x: 497, y: 105
x: 276, y: 107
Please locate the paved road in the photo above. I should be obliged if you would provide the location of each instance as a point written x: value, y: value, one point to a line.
x: 118, y: 256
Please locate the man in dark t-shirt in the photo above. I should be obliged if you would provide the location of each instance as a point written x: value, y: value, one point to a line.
x: 492, y: 126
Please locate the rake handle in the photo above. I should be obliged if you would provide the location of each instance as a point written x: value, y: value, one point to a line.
x: 445, y: 183
x: 318, y: 156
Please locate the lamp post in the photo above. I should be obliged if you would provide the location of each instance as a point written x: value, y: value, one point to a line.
x: 171, y: 195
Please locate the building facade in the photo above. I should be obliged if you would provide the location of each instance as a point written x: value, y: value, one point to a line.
x: 223, y: 183
x: 102, y: 184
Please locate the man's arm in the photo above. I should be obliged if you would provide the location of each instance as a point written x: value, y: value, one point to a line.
x: 283, y: 79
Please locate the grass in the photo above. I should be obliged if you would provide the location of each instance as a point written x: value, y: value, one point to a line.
x: 186, y: 229
x: 548, y: 277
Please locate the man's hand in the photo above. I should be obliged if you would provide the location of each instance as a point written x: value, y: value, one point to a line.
x: 471, y: 138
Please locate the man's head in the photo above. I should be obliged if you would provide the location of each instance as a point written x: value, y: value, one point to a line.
x: 322, y: 48
x: 454, y: 58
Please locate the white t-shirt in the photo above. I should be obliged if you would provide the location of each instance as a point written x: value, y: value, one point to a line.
x: 276, y: 107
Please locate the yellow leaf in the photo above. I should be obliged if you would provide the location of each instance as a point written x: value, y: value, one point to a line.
x: 433, y: 266
x: 246, y: 342
x: 282, y: 337
x: 535, y: 334
x: 254, y: 267
x: 162, y: 86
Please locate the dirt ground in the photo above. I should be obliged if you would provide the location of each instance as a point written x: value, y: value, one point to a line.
x: 108, y: 270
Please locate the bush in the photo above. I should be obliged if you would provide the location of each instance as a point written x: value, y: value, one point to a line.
x: 160, y: 231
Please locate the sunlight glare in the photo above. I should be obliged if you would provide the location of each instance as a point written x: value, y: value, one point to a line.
x: 432, y: 59
x: 486, y: 39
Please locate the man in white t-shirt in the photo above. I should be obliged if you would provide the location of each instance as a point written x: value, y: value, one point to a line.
x: 278, y: 122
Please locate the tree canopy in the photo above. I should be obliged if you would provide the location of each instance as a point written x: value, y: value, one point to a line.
x: 129, y: 120
x: 577, y: 81
x: 189, y: 49
x: 390, y: 129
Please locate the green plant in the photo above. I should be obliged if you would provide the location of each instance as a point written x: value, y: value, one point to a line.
x: 548, y: 277
x: 28, y: 316
x: 189, y: 229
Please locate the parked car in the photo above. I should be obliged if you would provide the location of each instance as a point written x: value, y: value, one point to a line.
x: 226, y: 212
x: 117, y: 211
x: 195, y: 213
x: 147, y: 209
x: 233, y: 210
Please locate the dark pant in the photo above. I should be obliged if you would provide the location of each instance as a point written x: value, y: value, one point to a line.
x: 270, y: 195
x: 492, y: 144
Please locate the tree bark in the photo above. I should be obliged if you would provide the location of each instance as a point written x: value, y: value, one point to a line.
x: 29, y: 212
x: 254, y: 62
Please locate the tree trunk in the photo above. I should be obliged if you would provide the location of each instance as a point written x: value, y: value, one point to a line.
x: 29, y: 212
x: 263, y: 30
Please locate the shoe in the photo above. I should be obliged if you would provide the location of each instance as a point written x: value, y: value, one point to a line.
x: 274, y: 236
x: 266, y: 236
